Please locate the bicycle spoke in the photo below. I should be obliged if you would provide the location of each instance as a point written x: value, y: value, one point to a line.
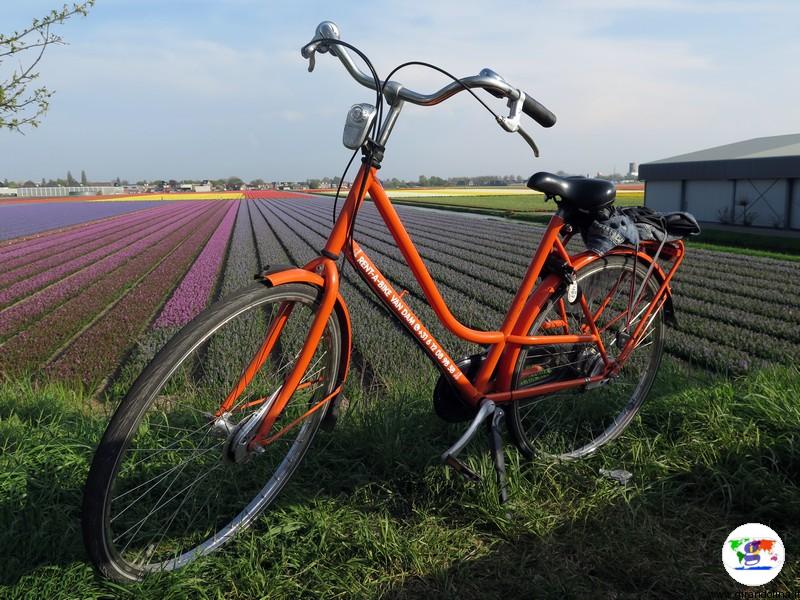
x: 158, y: 479
x: 185, y: 497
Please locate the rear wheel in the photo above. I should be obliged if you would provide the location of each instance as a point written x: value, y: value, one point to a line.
x: 573, y: 423
x: 163, y: 490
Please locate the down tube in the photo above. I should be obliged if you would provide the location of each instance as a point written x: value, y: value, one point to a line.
x: 394, y: 301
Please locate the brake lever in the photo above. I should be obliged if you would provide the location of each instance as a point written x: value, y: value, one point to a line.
x: 309, y: 51
x: 511, y: 122
x: 530, y: 141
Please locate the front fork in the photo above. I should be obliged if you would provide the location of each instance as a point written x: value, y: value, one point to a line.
x: 330, y: 290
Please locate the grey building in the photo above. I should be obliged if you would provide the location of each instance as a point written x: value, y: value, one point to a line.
x: 753, y: 182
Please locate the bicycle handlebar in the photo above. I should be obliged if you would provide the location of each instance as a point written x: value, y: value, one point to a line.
x: 487, y: 79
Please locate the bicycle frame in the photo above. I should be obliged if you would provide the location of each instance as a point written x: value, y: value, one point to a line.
x: 493, y: 379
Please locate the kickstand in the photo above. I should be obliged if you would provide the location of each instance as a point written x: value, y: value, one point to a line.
x: 493, y: 416
x: 498, y: 457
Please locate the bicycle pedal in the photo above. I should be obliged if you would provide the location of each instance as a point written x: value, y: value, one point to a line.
x: 621, y: 476
x: 462, y: 469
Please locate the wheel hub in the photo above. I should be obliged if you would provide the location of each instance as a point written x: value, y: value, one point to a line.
x: 236, y: 448
x: 589, y: 362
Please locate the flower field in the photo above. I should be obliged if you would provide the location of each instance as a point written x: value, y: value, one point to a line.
x: 735, y: 312
x: 75, y: 300
x: 371, y: 512
x: 24, y: 219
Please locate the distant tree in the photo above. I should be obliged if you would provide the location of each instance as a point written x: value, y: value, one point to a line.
x: 84, y: 181
x: 256, y: 183
x: 70, y: 179
x: 20, y: 106
x: 29, y: 183
x: 423, y: 181
x: 41, y: 183
x: 234, y: 183
x: 313, y: 184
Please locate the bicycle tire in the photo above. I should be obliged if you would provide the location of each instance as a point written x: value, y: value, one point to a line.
x: 159, y: 407
x: 533, y: 422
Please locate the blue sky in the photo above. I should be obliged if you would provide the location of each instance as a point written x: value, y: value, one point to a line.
x: 192, y: 89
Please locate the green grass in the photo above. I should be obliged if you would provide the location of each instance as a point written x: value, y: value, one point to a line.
x: 754, y: 244
x: 371, y: 513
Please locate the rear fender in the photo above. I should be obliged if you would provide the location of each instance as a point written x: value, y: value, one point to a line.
x: 548, y: 286
x: 284, y: 274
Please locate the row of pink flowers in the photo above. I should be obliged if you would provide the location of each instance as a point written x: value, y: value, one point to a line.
x: 35, y: 345
x: 38, y: 277
x: 35, y: 246
x: 129, y: 246
x: 90, y: 247
x: 99, y: 350
x: 193, y: 293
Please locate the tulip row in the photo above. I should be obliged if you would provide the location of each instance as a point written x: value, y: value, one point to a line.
x: 22, y: 251
x: 193, y: 293
x: 87, y: 295
x: 34, y: 278
x: 25, y: 219
x: 27, y: 310
x: 99, y: 349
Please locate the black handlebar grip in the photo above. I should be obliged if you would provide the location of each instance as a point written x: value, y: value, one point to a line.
x: 538, y: 112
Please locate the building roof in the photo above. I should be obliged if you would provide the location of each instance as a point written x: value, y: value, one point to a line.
x: 759, y: 158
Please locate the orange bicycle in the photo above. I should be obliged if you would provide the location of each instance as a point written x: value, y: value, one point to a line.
x: 218, y: 422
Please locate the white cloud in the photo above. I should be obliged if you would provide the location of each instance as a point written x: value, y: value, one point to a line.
x: 202, y: 99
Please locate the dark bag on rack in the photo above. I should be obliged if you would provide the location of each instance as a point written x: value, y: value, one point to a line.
x: 613, y: 226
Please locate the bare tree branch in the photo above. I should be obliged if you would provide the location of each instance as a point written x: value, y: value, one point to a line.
x: 20, y: 107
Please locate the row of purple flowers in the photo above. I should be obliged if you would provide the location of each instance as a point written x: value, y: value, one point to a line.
x: 193, y: 293
x: 24, y: 249
x: 98, y: 351
x: 61, y: 286
x: 26, y: 219
x: 131, y: 266
x: 58, y: 265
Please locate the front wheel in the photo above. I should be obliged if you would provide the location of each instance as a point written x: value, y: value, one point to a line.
x: 162, y: 489
x: 574, y: 423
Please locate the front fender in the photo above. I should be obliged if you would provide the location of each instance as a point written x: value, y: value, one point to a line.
x: 285, y: 274
x: 538, y: 299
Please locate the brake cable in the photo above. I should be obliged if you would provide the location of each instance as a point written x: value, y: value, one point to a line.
x: 375, y: 124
